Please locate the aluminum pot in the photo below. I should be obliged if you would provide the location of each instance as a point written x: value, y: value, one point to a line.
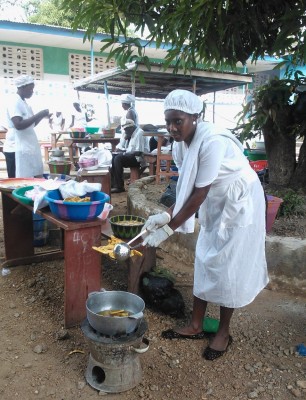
x: 114, y: 300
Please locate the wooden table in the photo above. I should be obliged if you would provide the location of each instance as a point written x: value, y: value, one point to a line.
x: 95, y: 141
x: 82, y: 265
x: 55, y: 137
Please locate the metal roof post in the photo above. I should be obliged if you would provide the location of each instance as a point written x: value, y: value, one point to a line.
x: 107, y: 104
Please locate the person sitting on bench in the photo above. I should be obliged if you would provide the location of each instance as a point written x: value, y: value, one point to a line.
x: 131, y: 156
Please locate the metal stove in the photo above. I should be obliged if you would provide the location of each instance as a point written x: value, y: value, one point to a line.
x: 114, y: 364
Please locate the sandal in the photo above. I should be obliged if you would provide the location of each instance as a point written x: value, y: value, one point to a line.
x: 211, y: 354
x: 171, y: 334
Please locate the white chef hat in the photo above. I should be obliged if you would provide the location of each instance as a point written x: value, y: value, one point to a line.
x: 183, y: 100
x: 23, y: 80
x: 127, y: 123
x: 127, y: 98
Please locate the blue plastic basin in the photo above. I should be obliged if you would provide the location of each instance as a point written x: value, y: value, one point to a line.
x: 78, y: 211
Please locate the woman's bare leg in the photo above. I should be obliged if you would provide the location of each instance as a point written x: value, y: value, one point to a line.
x: 220, y: 340
x: 196, y: 322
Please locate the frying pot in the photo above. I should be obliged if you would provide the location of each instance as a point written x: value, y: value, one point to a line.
x: 114, y: 300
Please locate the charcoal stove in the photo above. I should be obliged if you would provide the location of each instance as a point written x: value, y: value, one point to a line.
x: 114, y: 364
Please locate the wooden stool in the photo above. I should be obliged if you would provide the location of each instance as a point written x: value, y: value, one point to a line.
x: 47, y: 147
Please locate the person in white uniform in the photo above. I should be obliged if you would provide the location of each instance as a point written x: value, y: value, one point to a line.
x: 132, y: 156
x: 79, y: 120
x: 215, y: 178
x: 21, y: 120
x: 128, y: 105
x: 9, y: 152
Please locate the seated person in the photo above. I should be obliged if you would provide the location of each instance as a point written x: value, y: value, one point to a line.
x: 130, y: 156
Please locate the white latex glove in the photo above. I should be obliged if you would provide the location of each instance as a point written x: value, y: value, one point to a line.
x: 157, y: 221
x: 154, y: 239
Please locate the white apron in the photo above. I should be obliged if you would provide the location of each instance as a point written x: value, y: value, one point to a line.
x: 230, y: 265
x: 28, y: 153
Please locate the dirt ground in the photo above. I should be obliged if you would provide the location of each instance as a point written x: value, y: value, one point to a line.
x: 39, y: 359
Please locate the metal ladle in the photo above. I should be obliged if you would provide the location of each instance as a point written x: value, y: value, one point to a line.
x: 122, y: 251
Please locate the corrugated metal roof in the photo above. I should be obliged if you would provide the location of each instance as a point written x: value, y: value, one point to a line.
x: 157, y: 82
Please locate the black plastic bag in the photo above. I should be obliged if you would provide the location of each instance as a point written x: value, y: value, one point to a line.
x: 159, y: 293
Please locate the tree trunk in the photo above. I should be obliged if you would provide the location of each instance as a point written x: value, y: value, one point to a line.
x: 280, y: 152
x: 298, y: 180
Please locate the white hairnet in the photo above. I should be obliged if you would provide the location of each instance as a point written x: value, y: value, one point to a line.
x: 23, y: 80
x: 127, y: 123
x: 183, y: 100
x: 127, y: 98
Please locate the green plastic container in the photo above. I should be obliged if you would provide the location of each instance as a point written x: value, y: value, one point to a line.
x: 210, y: 324
x: 255, y: 155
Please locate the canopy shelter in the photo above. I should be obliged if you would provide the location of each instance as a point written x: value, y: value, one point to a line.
x: 157, y: 82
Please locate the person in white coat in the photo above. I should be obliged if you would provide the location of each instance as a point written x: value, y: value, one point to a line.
x: 215, y: 178
x: 22, y: 120
x: 132, y: 156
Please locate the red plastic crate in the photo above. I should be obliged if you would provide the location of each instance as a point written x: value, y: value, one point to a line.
x: 259, y: 165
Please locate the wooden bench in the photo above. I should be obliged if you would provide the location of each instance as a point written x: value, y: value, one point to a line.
x: 136, y: 172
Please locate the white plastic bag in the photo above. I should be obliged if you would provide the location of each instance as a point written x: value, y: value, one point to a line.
x: 73, y: 188
x: 103, y: 156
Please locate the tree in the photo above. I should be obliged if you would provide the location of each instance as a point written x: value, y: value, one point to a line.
x: 48, y: 12
x: 279, y: 115
x: 216, y: 33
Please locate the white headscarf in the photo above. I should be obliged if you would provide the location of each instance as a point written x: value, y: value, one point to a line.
x: 183, y: 100
x: 127, y: 98
x: 23, y: 80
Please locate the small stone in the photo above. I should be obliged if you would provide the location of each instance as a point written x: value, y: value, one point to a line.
x: 301, y: 384
x: 31, y: 283
x: 253, y: 395
x: 40, y: 348
x: 62, y: 334
x: 81, y: 385
x: 296, y: 392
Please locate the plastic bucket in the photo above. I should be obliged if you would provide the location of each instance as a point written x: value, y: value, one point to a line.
x: 255, y: 155
x: 60, y: 167
x: 273, y: 204
x: 40, y: 230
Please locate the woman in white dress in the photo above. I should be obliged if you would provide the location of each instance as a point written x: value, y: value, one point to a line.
x: 21, y: 120
x: 216, y: 179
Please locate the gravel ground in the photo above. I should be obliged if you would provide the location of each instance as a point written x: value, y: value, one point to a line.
x: 39, y: 359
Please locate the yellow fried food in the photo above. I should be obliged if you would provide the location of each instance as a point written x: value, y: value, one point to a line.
x: 76, y: 199
x: 114, y: 313
x: 109, y: 248
x: 136, y: 253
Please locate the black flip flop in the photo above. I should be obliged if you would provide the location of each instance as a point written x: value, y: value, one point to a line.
x: 171, y: 334
x: 211, y: 354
